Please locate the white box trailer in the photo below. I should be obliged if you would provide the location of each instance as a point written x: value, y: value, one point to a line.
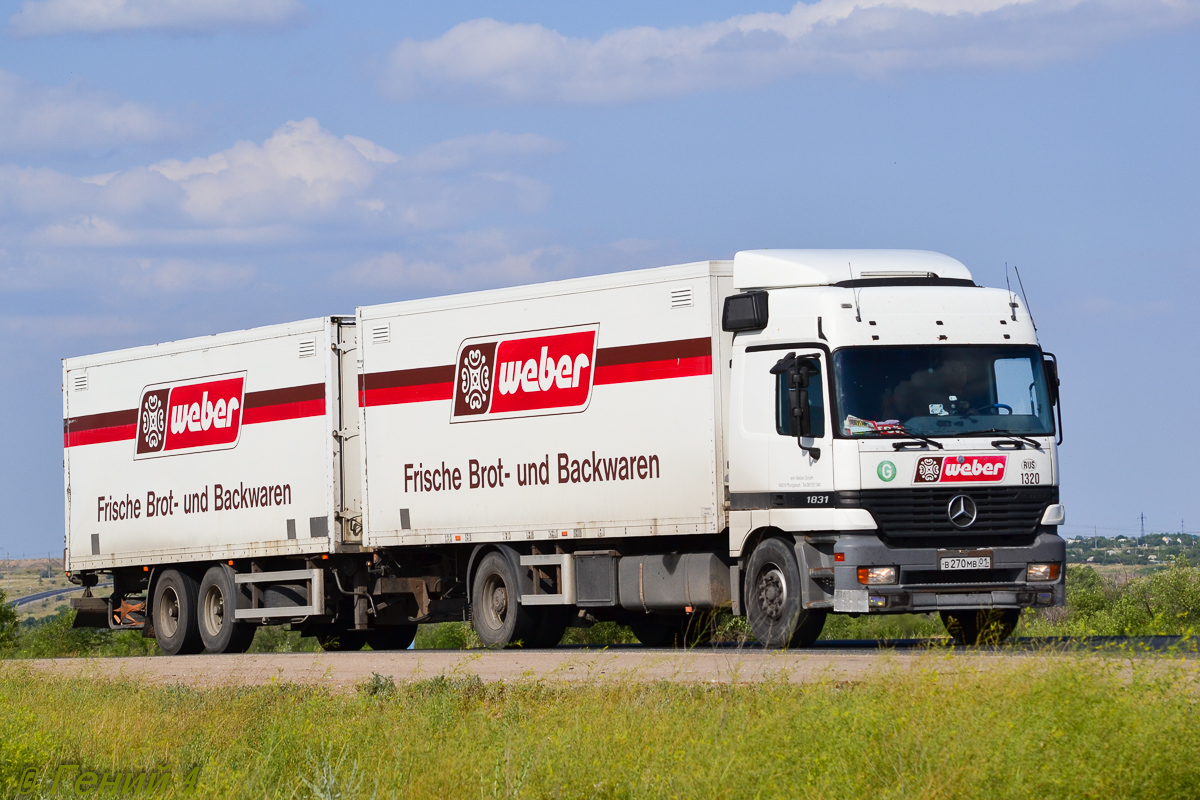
x: 787, y: 435
x: 590, y: 409
x: 207, y: 450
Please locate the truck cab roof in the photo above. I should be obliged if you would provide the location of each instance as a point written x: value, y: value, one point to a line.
x: 774, y: 269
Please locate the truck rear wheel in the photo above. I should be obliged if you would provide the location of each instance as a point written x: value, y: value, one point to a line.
x: 774, y: 604
x: 219, y: 630
x: 176, y: 628
x: 395, y: 637
x: 985, y: 626
x: 496, y: 611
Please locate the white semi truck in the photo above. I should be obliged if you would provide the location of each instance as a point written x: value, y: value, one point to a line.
x: 787, y: 435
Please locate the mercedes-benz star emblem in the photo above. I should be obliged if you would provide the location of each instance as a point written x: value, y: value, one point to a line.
x: 962, y: 511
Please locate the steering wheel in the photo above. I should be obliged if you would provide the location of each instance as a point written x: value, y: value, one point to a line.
x: 996, y: 406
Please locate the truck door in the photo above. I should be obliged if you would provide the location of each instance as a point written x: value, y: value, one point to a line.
x: 803, y: 474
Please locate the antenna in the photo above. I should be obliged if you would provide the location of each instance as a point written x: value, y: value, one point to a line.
x: 1022, y: 285
x: 1012, y: 305
x: 857, y: 313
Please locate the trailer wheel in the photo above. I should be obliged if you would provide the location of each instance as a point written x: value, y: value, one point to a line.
x: 496, y: 612
x: 334, y: 639
x: 985, y: 626
x: 176, y: 627
x: 552, y: 622
x: 773, y: 596
x: 219, y: 630
x: 396, y: 637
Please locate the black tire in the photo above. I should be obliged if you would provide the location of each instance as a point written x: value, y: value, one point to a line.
x: 655, y: 630
x: 774, y: 603
x: 496, y: 611
x: 394, y: 637
x: 216, y: 603
x: 176, y: 628
x: 552, y: 622
x: 333, y: 639
x: 808, y: 630
x: 985, y: 626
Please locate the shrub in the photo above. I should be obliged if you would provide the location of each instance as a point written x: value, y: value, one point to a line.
x: 9, y: 630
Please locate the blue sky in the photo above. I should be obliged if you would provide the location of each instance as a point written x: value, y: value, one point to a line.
x: 177, y: 168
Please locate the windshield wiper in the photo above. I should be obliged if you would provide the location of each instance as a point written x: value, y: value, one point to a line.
x: 909, y: 433
x: 1014, y: 437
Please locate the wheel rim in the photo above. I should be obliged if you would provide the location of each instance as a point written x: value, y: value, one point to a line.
x: 214, y: 610
x: 495, y: 605
x: 168, y: 612
x: 771, y: 592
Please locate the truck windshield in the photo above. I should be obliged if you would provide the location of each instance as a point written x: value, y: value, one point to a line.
x: 941, y: 391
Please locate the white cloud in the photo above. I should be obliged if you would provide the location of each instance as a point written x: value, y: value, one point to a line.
x: 494, y: 60
x: 302, y: 188
x: 72, y: 118
x: 50, y: 17
x: 467, y: 262
x: 72, y: 326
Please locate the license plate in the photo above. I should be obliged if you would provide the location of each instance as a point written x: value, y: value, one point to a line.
x: 972, y: 561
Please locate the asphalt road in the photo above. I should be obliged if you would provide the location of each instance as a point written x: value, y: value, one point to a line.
x: 837, y: 661
x: 33, y: 598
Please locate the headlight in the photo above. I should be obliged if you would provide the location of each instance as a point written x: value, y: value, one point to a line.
x: 1042, y: 572
x: 871, y: 575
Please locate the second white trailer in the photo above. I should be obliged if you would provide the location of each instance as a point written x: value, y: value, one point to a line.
x: 591, y: 409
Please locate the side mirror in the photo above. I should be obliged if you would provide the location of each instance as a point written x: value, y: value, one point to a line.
x: 1051, y: 367
x: 744, y: 312
x: 797, y: 373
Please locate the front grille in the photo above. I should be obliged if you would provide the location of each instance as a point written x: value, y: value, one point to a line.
x: 922, y: 512
x: 933, y: 577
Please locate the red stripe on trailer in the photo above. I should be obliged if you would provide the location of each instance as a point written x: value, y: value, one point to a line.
x: 654, y: 352
x: 276, y: 413
x: 292, y: 402
x: 682, y: 358
x: 653, y: 370
x: 272, y: 405
x: 406, y: 394
x: 115, y: 433
x: 406, y: 386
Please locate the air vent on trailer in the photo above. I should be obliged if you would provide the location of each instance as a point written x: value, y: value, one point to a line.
x: 308, y: 347
x: 681, y: 298
x: 79, y: 381
x: 381, y: 334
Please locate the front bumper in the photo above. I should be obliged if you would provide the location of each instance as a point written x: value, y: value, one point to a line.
x: 921, y: 587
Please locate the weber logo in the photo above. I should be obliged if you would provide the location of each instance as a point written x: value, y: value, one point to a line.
x: 191, y: 416
x: 524, y: 375
x: 960, y: 469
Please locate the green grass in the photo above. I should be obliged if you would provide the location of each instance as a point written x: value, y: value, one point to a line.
x: 1064, y: 727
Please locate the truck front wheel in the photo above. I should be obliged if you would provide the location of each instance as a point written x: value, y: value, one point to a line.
x: 496, y: 610
x: 774, y: 603
x: 985, y: 626
x: 176, y: 627
x: 219, y: 630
